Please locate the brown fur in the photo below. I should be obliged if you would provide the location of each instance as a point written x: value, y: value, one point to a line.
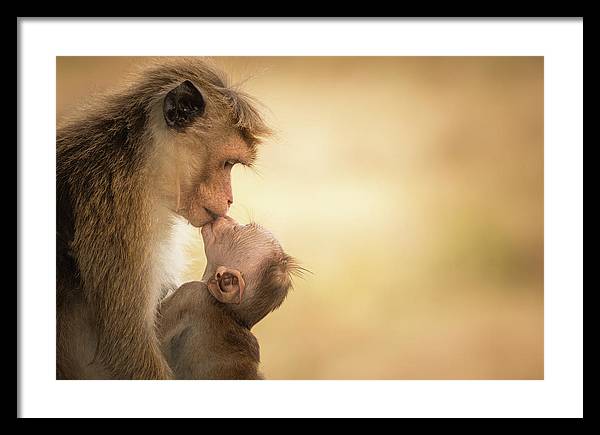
x: 121, y: 176
x: 201, y: 340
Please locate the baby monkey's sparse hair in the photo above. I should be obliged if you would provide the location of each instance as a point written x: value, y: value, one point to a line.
x: 274, y: 285
x: 247, y: 269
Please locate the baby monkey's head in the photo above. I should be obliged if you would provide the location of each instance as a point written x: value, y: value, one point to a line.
x: 246, y: 268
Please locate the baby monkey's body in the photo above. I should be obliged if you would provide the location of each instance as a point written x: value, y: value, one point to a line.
x: 205, y: 326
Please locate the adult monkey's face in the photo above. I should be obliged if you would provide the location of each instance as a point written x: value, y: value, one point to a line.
x: 210, y: 194
x: 207, y: 143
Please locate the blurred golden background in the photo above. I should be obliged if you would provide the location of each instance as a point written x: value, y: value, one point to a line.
x: 412, y: 188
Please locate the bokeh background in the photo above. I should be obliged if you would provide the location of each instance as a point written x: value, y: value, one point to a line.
x: 412, y: 189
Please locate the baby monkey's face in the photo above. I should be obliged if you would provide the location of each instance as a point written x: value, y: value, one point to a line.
x: 246, y: 267
x: 244, y: 247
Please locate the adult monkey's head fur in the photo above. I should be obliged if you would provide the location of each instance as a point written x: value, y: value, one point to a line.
x: 196, y: 125
x: 162, y: 144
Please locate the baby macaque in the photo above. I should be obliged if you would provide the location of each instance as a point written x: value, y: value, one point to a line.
x: 205, y: 326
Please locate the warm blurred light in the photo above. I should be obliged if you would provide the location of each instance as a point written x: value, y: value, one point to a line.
x: 412, y: 188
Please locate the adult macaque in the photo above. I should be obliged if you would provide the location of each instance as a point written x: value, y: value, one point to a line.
x: 205, y: 326
x: 132, y: 167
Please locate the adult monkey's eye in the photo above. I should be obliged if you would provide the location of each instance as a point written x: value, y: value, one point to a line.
x: 229, y: 164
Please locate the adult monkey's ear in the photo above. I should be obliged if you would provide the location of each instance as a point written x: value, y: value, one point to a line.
x: 227, y: 285
x: 182, y: 105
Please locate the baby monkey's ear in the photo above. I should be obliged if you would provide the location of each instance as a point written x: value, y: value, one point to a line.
x: 227, y: 285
